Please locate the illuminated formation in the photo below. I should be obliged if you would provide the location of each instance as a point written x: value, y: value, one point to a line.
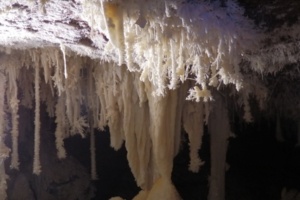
x: 165, y: 45
x: 159, y: 69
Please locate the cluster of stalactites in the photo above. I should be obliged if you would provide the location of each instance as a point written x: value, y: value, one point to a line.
x: 170, y: 42
x: 99, y: 94
x: 39, y: 76
x: 162, y: 47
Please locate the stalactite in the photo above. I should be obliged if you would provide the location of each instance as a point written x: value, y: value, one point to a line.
x: 25, y: 80
x: 60, y: 130
x: 37, y: 122
x: 57, y: 78
x: 92, y: 110
x: 113, y: 108
x: 197, y: 32
x: 14, y: 106
x: 159, y: 73
x: 4, y: 150
x: 174, y: 78
x: 74, y: 98
x: 129, y: 41
x: 69, y: 105
x: 136, y: 132
x: 47, y: 96
x: 180, y: 69
x: 100, y: 92
x: 63, y: 50
x: 12, y: 73
x: 46, y: 64
x: 193, y: 124
x: 113, y: 14
x: 162, y: 117
x: 128, y: 100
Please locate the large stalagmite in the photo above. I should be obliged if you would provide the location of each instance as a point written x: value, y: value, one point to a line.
x: 145, y: 69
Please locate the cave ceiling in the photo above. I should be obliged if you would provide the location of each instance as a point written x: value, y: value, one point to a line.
x: 26, y: 24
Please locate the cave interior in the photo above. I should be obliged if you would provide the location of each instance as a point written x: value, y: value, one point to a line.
x: 149, y: 100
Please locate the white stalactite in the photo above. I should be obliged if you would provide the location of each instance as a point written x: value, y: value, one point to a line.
x: 3, y: 148
x: 162, y: 117
x: 14, y: 106
x: 57, y: 78
x: 63, y: 50
x: 193, y: 124
x: 60, y: 130
x: 113, y: 110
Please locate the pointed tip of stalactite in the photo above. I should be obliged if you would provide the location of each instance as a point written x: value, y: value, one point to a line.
x: 195, y: 165
x: 61, y: 155
x: 16, y: 167
x: 37, y: 171
x: 4, y: 151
